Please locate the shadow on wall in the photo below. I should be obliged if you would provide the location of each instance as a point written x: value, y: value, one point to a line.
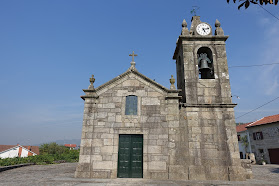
x: 275, y: 170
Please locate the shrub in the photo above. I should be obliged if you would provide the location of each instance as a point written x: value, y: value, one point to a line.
x: 49, y: 154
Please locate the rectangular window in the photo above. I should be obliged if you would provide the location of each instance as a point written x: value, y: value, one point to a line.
x: 258, y: 136
x: 131, y: 105
x: 238, y: 137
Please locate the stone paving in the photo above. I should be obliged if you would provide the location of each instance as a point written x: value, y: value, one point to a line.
x: 63, y: 174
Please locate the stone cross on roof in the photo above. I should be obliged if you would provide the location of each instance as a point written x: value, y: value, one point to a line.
x: 133, y: 55
x: 133, y: 63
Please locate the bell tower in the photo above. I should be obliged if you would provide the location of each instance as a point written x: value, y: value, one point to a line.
x: 206, y: 107
x: 201, y: 63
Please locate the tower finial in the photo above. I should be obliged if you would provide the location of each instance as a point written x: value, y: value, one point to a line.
x: 185, y: 30
x: 217, y: 23
x: 92, y: 80
x: 219, y: 31
x: 184, y: 24
x: 172, y: 81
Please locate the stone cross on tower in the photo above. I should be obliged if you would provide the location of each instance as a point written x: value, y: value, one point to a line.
x: 133, y: 63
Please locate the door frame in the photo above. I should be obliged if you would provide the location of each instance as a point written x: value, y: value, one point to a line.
x: 130, y: 152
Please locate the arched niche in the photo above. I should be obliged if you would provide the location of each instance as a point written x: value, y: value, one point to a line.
x: 205, y: 63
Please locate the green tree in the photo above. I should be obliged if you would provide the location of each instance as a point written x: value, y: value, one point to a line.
x: 246, y: 3
x: 244, y: 140
x: 49, y: 153
x: 53, y: 148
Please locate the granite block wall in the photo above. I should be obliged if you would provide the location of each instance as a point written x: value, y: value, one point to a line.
x: 105, y: 119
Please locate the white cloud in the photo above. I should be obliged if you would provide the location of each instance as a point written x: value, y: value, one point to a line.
x: 273, y: 88
x: 263, y: 21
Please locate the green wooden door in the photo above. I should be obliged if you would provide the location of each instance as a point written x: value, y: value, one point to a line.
x: 130, y: 153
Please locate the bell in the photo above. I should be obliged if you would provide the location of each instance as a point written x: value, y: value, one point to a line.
x: 203, y: 64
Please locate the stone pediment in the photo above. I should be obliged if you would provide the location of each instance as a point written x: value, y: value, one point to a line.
x: 131, y: 73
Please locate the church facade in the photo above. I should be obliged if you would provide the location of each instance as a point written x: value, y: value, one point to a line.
x: 134, y: 127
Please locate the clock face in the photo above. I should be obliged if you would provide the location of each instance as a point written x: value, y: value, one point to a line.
x: 203, y: 29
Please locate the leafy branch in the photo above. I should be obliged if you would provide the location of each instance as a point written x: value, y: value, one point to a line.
x: 246, y: 3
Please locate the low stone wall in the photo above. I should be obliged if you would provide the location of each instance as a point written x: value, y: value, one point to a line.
x: 246, y: 164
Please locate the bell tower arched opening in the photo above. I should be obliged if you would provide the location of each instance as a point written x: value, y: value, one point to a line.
x: 205, y: 63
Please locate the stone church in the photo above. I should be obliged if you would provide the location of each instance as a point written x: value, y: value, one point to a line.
x: 133, y: 127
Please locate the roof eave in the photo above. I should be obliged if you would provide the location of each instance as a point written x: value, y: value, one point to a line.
x: 95, y: 91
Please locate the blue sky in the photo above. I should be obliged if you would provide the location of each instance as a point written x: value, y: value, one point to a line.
x: 49, y: 49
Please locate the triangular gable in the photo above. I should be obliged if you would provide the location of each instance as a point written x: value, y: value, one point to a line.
x: 29, y: 150
x: 136, y: 73
x: 91, y: 92
x: 34, y: 149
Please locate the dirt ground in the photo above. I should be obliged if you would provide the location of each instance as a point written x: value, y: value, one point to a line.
x: 63, y: 174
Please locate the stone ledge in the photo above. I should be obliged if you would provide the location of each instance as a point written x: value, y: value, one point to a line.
x: 232, y: 105
x: 204, y: 38
x: 89, y: 96
x: 173, y: 97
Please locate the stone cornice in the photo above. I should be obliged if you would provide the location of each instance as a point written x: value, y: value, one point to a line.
x: 203, y: 38
x: 196, y: 38
x: 129, y: 71
x: 216, y: 105
x: 89, y: 96
x: 89, y: 90
x: 89, y: 93
x: 173, y: 97
x: 174, y: 91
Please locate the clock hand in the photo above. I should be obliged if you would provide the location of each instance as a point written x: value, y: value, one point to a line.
x: 203, y: 29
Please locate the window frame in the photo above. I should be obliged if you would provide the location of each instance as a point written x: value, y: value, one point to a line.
x: 134, y: 105
x: 258, y: 136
